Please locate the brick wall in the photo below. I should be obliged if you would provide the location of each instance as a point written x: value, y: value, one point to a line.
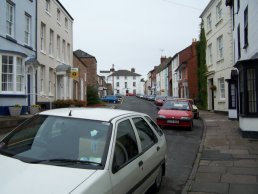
x: 77, y: 93
x: 189, y: 57
x: 91, y: 70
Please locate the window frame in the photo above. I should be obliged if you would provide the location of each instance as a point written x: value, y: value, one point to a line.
x: 27, y: 29
x: 219, y: 11
x: 43, y: 37
x: 136, y: 139
x: 243, y: 87
x: 221, y: 82
x: 209, y: 23
x: 12, y: 83
x: 10, y: 18
x: 220, y: 47
x: 58, y: 46
x: 246, y: 42
x: 51, y: 42
x: 47, y: 6
x: 209, y: 54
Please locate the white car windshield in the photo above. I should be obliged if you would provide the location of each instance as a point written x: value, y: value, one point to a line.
x: 59, y: 140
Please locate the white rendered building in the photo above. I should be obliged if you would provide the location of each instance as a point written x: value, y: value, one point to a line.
x: 217, y: 23
x: 244, y: 77
x: 54, y: 51
x: 124, y: 81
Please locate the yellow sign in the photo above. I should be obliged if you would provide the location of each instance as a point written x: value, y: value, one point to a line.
x: 74, y: 73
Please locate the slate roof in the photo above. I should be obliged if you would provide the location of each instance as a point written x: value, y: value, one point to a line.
x: 124, y: 73
x: 81, y: 54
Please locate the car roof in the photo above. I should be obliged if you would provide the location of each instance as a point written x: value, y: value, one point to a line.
x: 100, y: 114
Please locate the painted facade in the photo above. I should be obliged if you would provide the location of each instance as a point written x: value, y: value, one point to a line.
x: 17, y: 54
x: 219, y: 56
x: 123, y: 81
x: 244, y: 75
x: 54, y: 52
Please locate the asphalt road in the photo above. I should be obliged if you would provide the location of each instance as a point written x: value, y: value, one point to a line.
x: 182, y: 146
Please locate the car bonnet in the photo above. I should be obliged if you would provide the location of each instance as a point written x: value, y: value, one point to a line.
x: 174, y: 113
x: 19, y: 177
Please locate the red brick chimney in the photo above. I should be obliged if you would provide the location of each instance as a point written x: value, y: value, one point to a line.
x: 162, y: 59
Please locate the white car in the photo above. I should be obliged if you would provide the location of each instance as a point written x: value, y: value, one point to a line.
x: 83, y: 150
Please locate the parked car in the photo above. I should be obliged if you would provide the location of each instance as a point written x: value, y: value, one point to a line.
x: 176, y: 113
x: 83, y: 150
x: 119, y: 96
x: 195, y: 108
x: 151, y: 97
x: 130, y: 94
x: 159, y: 100
x: 110, y: 99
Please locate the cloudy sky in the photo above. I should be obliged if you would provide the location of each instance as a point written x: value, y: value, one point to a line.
x: 133, y: 33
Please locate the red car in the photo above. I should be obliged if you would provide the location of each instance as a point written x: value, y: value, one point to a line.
x: 130, y: 94
x: 176, y: 113
x: 159, y: 100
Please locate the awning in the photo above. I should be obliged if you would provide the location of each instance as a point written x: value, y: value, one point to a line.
x: 32, y: 61
x: 63, y: 67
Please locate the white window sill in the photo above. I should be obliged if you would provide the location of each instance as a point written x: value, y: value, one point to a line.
x: 43, y: 52
x: 48, y: 13
x: 209, y: 32
x: 218, y: 22
x: 222, y: 100
x: 220, y: 60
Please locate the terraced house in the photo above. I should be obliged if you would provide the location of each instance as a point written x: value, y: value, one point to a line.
x: 244, y: 82
x: 54, y: 52
x: 219, y: 54
x: 18, y: 62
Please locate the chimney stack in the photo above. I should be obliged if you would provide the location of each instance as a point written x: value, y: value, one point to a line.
x: 132, y: 70
x: 162, y: 59
x: 113, y: 68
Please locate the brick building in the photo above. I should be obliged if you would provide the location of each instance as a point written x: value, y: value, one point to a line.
x: 80, y: 83
x: 91, y: 63
x: 187, y: 72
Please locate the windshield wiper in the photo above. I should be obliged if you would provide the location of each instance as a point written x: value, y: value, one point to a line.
x: 66, y: 161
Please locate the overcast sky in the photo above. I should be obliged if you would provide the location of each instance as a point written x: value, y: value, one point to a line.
x: 133, y: 33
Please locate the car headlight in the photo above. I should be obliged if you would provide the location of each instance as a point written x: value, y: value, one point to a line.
x: 185, y: 118
x: 162, y: 116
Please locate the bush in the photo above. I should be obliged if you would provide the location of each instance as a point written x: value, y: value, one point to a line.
x: 92, y: 95
x: 69, y: 103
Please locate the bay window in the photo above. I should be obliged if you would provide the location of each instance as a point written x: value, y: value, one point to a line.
x: 13, y: 75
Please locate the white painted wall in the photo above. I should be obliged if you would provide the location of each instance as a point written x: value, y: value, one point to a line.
x: 252, y: 28
x: 218, y: 67
x: 52, y: 60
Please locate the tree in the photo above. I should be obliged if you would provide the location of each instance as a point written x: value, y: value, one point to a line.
x: 92, y: 95
x: 202, y: 68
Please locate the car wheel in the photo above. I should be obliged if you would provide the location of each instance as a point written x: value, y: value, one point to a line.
x: 158, y: 181
x: 114, y: 102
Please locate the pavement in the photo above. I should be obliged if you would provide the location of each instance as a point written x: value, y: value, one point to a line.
x: 226, y: 163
